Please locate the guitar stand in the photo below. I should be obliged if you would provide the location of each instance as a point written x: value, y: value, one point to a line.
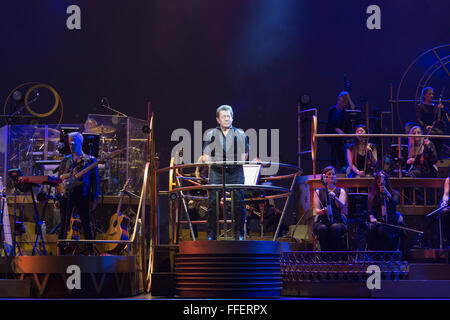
x: 38, y: 227
x: 15, y: 233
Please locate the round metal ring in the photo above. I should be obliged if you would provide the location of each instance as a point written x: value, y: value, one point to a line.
x: 55, y: 106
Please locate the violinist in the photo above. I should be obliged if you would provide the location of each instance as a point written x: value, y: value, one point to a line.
x: 361, y: 156
x: 383, y: 202
x: 422, y: 156
x: 330, y: 205
x: 430, y: 116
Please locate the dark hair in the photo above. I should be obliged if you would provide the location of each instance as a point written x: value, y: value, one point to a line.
x: 375, y: 190
x: 424, y: 91
x: 361, y: 126
x: 329, y: 168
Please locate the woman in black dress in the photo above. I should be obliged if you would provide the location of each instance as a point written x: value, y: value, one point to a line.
x: 383, y: 202
x: 422, y: 156
x: 330, y: 233
x: 361, y: 156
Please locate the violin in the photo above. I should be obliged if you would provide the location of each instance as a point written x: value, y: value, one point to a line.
x: 330, y: 210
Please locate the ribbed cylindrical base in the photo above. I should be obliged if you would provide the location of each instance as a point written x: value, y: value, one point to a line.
x: 222, y: 269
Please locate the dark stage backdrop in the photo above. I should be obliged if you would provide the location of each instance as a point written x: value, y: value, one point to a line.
x: 191, y: 56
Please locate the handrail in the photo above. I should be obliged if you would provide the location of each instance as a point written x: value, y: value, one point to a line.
x: 299, y: 136
x: 131, y: 240
x: 282, y: 192
x: 315, y: 135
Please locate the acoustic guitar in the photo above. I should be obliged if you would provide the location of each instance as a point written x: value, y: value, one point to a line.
x: 118, y: 226
x: 73, y: 232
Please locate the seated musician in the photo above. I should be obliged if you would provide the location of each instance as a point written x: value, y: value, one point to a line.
x: 383, y: 202
x: 81, y: 194
x: 361, y: 156
x: 330, y: 234
x: 422, y: 156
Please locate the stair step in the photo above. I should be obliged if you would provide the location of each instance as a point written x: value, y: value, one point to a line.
x: 12, y: 288
x: 163, y: 284
x: 429, y: 271
x: 413, y: 289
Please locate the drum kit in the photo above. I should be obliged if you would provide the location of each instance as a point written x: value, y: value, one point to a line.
x: 113, y: 169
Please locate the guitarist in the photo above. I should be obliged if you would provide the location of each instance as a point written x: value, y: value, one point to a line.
x: 82, y: 193
x: 330, y: 230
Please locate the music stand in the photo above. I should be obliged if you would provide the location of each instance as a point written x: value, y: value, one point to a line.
x: 91, y: 144
x: 64, y: 139
x: 357, y: 208
x: 399, y: 162
x: 354, y: 117
x: 439, y: 213
x: 251, y: 177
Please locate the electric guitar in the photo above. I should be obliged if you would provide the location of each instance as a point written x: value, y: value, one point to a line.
x: 118, y: 226
x: 67, y: 177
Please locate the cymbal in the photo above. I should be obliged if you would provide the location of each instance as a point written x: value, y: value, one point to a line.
x: 102, y: 129
x: 52, y: 134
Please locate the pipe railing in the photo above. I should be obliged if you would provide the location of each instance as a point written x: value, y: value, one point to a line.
x: 316, y: 135
x: 174, y: 171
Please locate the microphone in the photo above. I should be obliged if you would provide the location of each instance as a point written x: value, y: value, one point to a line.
x: 104, y: 102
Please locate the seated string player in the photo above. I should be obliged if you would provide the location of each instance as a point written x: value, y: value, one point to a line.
x: 383, y: 202
x: 330, y: 227
x: 422, y: 156
x: 361, y: 156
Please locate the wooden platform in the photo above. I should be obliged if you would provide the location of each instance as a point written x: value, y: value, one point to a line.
x: 48, y: 276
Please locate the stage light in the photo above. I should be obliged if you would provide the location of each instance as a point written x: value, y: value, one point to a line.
x: 17, y: 96
x: 304, y: 100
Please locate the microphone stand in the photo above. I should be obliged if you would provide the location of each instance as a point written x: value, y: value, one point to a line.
x: 107, y: 106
